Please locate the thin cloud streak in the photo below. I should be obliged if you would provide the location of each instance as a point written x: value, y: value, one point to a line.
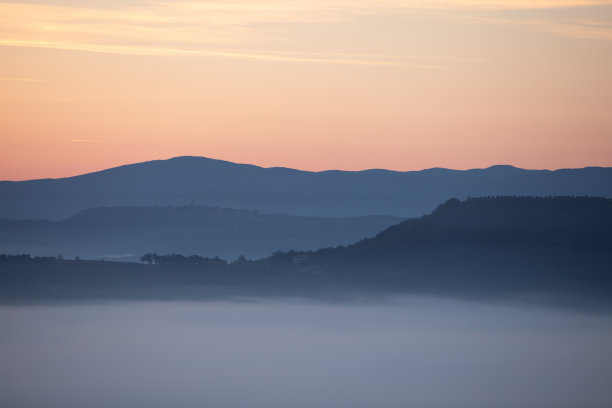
x: 18, y: 79
x: 569, y: 28
x: 577, y: 29
x: 372, y: 55
x: 162, y: 51
x: 86, y: 141
x: 201, y: 28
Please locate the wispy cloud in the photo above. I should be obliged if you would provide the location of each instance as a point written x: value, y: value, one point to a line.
x: 227, y: 29
x: 20, y: 79
x: 575, y: 29
x: 594, y: 23
x: 313, y: 58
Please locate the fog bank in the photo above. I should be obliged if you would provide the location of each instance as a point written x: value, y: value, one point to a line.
x: 415, y: 352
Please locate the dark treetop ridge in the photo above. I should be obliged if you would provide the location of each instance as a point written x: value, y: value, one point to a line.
x: 500, y: 247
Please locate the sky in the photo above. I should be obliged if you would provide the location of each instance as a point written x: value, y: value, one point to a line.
x: 309, y: 84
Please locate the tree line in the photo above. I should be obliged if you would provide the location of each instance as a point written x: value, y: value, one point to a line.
x: 177, y: 259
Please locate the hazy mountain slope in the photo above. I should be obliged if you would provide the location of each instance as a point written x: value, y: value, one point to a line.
x: 114, y: 232
x: 481, y: 244
x: 182, y: 180
x: 546, y: 250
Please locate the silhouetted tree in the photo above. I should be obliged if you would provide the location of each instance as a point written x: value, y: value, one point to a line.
x: 147, y: 258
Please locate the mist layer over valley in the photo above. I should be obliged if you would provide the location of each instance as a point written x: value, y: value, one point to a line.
x: 408, y: 351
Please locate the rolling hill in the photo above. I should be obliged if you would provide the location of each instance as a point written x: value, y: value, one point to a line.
x: 184, y: 180
x: 544, y: 250
x: 125, y: 233
x: 487, y: 245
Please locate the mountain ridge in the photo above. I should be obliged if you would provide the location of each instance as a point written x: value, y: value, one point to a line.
x: 329, y: 193
x: 227, y: 162
x: 376, y: 169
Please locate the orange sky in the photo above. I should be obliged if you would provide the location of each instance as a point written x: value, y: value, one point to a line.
x: 309, y: 84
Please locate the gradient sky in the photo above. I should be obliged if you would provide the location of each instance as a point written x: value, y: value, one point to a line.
x: 309, y: 84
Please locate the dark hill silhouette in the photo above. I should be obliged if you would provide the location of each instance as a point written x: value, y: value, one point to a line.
x: 547, y: 250
x: 182, y: 180
x: 114, y: 232
x: 486, y: 244
x: 578, y: 220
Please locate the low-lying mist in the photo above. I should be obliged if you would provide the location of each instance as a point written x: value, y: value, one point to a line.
x: 409, y: 352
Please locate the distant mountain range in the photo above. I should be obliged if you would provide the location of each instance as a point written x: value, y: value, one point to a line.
x: 125, y: 233
x: 209, y: 182
x: 535, y: 249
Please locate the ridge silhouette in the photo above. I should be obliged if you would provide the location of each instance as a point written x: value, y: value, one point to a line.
x: 334, y: 193
x: 556, y: 249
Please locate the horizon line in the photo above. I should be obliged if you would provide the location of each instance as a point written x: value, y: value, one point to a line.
x: 302, y: 170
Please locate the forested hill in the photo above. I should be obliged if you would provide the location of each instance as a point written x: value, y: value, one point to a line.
x: 127, y: 232
x: 560, y: 243
x: 209, y: 182
x: 573, y: 220
x: 548, y: 248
